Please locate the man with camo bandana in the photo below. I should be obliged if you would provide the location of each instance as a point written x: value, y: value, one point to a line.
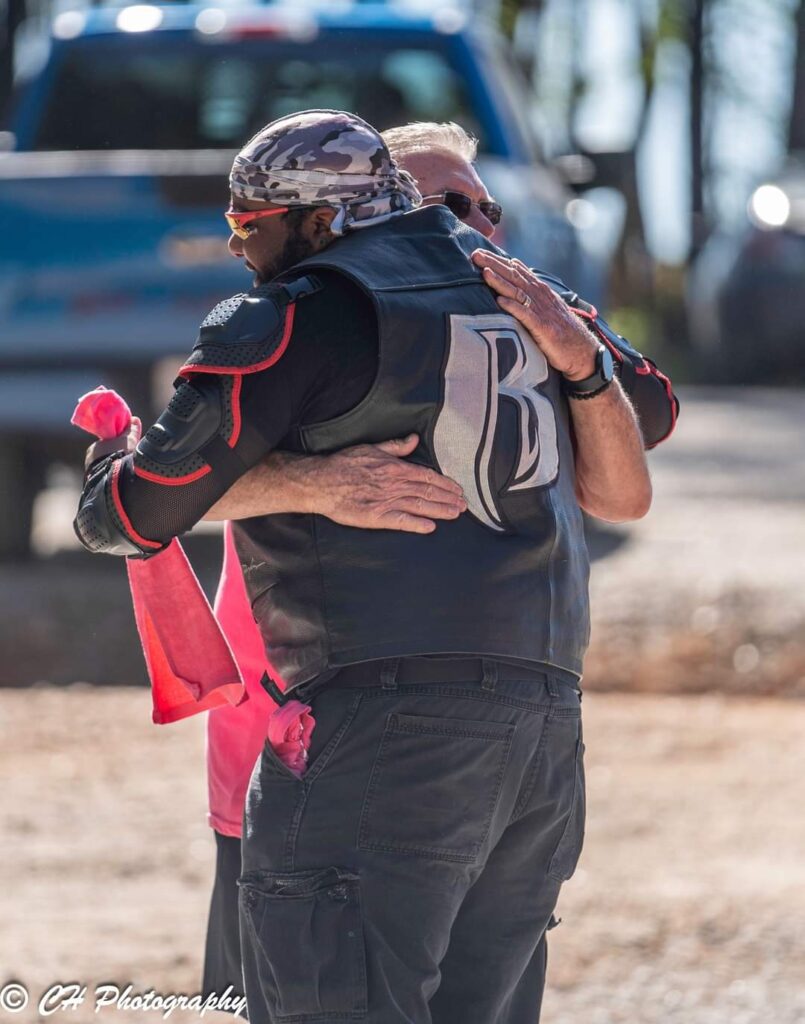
x: 319, y: 160
x: 293, y: 162
x: 411, y: 872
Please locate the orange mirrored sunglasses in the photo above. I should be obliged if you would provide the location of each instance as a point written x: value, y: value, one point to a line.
x: 239, y: 220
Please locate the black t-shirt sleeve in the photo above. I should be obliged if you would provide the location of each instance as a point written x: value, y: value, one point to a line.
x: 327, y: 368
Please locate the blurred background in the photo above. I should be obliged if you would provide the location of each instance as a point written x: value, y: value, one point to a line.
x: 649, y: 152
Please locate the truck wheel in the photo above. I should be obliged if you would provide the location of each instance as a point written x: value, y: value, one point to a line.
x: 22, y: 475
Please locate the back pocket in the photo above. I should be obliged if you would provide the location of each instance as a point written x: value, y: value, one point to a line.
x: 307, y: 931
x: 434, y: 786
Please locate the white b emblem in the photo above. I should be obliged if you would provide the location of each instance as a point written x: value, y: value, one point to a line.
x: 464, y: 434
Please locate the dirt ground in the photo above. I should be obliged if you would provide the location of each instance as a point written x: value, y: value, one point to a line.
x: 689, y: 903
x: 688, y: 906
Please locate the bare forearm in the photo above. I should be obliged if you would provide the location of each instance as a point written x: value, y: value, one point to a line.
x: 369, y: 486
x: 274, y: 486
x: 612, y: 479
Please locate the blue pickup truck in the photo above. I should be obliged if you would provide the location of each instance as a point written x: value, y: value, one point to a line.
x: 112, y: 244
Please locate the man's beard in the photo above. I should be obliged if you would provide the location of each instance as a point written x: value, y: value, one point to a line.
x: 296, y: 249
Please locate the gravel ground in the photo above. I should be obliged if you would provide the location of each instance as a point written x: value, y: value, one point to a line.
x: 706, y: 592
x: 688, y: 905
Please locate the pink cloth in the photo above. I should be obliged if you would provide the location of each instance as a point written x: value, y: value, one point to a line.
x: 103, y: 413
x: 235, y: 736
x: 200, y: 660
x: 189, y: 662
x: 289, y: 730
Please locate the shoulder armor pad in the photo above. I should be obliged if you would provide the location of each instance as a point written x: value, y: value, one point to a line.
x: 242, y: 334
x: 249, y: 331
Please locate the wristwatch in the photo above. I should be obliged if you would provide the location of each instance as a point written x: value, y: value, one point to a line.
x: 598, y: 381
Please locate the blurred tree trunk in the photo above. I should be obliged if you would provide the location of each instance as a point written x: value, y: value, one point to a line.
x: 510, y: 11
x: 519, y: 21
x: 580, y: 79
x: 696, y: 43
x: 631, y: 275
x: 13, y: 15
x: 796, y: 126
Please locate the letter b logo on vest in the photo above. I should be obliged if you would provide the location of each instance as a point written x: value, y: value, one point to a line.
x: 490, y: 359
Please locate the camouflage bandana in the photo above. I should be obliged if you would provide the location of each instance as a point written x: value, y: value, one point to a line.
x: 325, y: 158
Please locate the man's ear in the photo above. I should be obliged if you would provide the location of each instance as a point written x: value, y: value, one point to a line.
x: 321, y: 217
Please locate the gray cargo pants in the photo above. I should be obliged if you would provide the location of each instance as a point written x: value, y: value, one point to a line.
x: 411, y: 874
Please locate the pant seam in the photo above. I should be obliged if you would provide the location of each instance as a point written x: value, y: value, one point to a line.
x: 289, y: 854
x: 531, y: 781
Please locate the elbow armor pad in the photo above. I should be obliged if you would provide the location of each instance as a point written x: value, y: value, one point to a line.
x: 657, y: 417
x: 170, y: 453
x: 98, y: 524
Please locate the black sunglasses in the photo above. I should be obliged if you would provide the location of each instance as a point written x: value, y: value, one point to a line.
x: 461, y: 205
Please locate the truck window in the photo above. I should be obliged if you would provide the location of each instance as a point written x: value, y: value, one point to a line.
x: 177, y: 93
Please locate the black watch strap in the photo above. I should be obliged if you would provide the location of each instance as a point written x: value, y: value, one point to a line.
x: 588, y: 394
x: 598, y: 381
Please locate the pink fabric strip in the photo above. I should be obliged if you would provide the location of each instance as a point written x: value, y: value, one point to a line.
x: 189, y: 661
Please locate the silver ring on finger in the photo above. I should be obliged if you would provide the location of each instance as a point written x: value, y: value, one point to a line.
x: 525, y: 301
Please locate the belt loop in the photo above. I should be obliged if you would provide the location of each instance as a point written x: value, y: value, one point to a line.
x: 388, y: 673
x: 490, y: 676
x: 550, y: 682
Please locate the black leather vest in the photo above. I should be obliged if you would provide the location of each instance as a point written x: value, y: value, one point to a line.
x: 508, y: 578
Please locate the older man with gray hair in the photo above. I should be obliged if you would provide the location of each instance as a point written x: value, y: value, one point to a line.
x: 411, y: 872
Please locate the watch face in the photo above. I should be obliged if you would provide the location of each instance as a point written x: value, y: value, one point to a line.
x: 607, y: 363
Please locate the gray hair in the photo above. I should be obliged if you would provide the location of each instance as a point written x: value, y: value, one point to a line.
x: 425, y: 136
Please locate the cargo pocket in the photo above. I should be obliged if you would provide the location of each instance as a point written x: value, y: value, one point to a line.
x: 434, y: 786
x: 564, y: 861
x: 307, y: 932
